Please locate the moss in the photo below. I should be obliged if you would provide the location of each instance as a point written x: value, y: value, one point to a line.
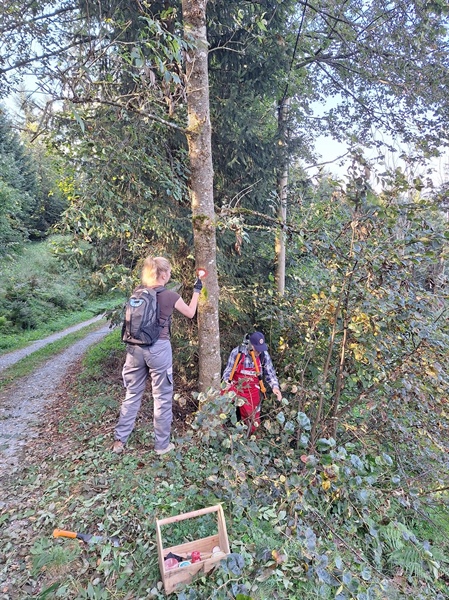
x: 201, y: 222
x: 195, y: 125
x: 199, y: 218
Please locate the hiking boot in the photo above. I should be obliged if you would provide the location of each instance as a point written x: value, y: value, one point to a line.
x: 165, y: 450
x: 118, y: 447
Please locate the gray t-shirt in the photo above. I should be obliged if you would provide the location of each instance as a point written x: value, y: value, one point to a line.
x: 167, y: 300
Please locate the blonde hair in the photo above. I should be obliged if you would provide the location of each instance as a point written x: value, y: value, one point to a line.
x: 153, y: 267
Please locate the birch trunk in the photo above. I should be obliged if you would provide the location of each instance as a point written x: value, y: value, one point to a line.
x: 201, y: 189
x: 282, y: 193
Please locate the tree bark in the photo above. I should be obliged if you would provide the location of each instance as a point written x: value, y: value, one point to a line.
x: 201, y: 189
x: 282, y: 193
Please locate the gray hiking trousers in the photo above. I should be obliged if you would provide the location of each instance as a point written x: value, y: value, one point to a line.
x: 141, y: 361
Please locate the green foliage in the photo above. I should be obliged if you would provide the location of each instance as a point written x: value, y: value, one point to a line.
x: 50, y: 201
x: 126, y: 181
x: 40, y: 295
x: 342, y: 522
x: 17, y: 187
x: 109, y: 225
x: 358, y: 331
x: 249, y: 66
x: 29, y: 202
x: 30, y: 298
x: 214, y: 411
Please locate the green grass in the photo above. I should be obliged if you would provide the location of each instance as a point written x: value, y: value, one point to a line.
x: 291, y: 538
x: 15, y: 341
x: 33, y: 361
x: 40, y: 295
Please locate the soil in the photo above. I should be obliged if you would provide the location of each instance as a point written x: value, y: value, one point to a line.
x: 26, y: 405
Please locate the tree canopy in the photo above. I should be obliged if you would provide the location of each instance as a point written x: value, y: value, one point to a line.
x: 30, y: 201
x: 116, y: 108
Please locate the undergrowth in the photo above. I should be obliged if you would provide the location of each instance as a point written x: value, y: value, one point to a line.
x: 40, y: 295
x: 341, y: 524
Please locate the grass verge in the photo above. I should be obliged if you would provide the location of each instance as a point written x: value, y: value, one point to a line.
x: 16, y: 341
x: 33, y: 361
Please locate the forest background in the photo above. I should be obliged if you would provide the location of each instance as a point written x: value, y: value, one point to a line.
x: 345, y: 493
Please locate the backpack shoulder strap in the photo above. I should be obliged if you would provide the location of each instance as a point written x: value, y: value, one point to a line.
x: 167, y: 320
x: 240, y: 358
x: 258, y: 359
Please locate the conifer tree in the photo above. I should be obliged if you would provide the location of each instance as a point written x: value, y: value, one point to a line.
x: 17, y: 187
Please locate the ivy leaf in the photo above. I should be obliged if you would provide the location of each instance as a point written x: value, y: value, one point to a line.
x: 338, y: 562
x: 304, y: 441
x: 303, y: 421
x: 388, y: 460
x: 324, y: 444
x: 234, y: 564
x: 280, y: 417
x: 310, y: 539
x: 366, y: 574
x: 346, y: 578
x: 310, y: 461
x: 357, y: 462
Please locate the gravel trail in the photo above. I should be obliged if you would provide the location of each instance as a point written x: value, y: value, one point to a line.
x: 23, y: 405
x: 6, y: 360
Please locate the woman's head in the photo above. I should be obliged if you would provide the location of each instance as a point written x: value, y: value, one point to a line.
x: 154, y: 269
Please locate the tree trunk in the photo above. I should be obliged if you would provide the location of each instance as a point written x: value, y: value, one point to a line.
x: 201, y: 189
x: 282, y: 193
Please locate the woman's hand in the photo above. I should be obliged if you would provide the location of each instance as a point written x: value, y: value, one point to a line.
x: 277, y: 392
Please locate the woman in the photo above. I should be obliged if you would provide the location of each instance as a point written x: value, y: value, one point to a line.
x: 155, y: 360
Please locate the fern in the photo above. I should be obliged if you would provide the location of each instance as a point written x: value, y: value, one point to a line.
x: 401, y: 551
x: 442, y: 558
x: 404, y: 550
x: 394, y: 535
x: 411, y: 560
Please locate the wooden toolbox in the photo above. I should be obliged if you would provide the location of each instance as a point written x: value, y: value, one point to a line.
x: 171, y: 578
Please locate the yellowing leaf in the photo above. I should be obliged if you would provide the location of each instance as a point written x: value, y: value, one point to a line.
x: 278, y: 557
x: 431, y: 371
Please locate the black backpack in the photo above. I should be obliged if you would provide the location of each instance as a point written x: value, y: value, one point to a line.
x: 141, y: 323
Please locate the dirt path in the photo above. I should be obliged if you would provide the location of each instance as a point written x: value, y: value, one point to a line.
x: 23, y: 405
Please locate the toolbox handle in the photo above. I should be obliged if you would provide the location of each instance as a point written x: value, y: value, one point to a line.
x: 190, y: 515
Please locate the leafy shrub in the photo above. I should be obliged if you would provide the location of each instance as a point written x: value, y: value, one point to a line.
x: 38, y: 289
x: 5, y: 323
x: 62, y: 297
